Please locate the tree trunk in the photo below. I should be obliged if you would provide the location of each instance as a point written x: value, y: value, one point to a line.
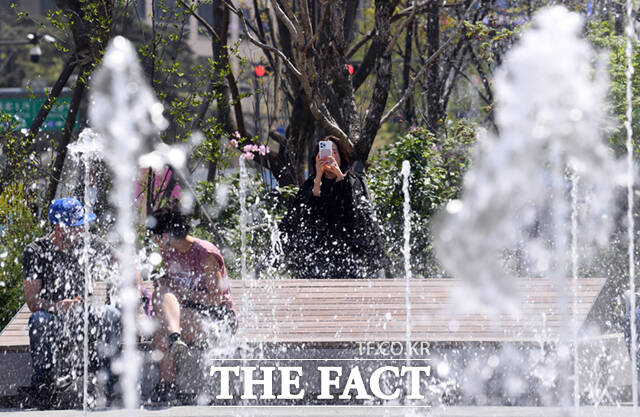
x: 220, y: 56
x: 620, y: 15
x: 335, y: 77
x: 37, y: 122
x: 61, y: 149
x: 409, y: 111
x: 301, y: 130
x: 384, y: 11
x: 434, y: 106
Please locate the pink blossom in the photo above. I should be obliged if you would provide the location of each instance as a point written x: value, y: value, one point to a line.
x: 176, y: 192
x: 251, y: 148
x: 262, y: 150
x: 247, y: 155
x: 234, y: 143
x: 236, y: 134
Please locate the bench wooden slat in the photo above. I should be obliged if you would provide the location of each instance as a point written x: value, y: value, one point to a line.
x: 394, y: 317
x: 400, y: 282
x: 338, y: 311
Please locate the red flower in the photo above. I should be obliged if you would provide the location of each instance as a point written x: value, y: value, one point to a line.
x: 350, y: 69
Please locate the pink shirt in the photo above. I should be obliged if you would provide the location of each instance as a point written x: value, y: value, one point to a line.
x: 187, y: 269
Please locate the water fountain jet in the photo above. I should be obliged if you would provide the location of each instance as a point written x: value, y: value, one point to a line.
x: 86, y: 149
x: 551, y: 116
x: 125, y: 112
x: 406, y: 250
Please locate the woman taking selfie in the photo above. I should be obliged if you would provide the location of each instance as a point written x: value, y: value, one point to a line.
x: 329, y: 230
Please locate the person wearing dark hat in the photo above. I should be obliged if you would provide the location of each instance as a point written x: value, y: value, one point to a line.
x: 195, y: 289
x: 53, y: 270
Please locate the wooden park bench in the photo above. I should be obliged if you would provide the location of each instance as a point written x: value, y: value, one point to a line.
x: 332, y: 315
x: 351, y: 311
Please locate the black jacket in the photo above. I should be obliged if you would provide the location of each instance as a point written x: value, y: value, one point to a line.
x: 334, y: 235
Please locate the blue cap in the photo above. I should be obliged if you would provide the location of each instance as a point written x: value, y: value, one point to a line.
x: 69, y: 212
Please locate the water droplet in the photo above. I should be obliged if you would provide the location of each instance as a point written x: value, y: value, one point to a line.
x: 575, y: 115
x: 176, y: 157
x: 454, y: 206
x: 155, y: 258
x: 443, y: 369
x: 493, y: 361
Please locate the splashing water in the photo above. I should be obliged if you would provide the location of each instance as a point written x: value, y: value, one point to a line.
x: 243, y: 246
x: 575, y: 181
x: 125, y: 112
x: 406, y: 250
x: 518, y: 191
x: 550, y: 116
x: 630, y: 221
x: 87, y: 148
x: 89, y: 145
x: 276, y: 253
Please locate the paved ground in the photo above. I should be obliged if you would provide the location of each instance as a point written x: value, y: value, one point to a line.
x: 342, y: 411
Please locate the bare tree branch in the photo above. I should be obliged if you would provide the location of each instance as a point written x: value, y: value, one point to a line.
x: 231, y: 80
x: 37, y: 122
x: 426, y: 65
x: 321, y: 113
x: 400, y: 30
x: 483, y: 75
x: 323, y: 15
x: 280, y: 139
x: 423, y: 6
x: 307, y: 27
x: 199, y: 18
x: 459, y: 55
x: 276, y: 51
x: 285, y: 19
x: 466, y: 77
x: 263, y: 37
x: 366, y: 38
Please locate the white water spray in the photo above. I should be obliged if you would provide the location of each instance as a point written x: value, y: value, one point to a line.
x: 630, y: 222
x: 551, y: 114
x: 575, y: 181
x: 243, y: 245
x: 406, y: 250
x: 559, y: 268
x: 87, y: 148
x: 275, y: 241
x: 125, y: 112
x: 550, y: 92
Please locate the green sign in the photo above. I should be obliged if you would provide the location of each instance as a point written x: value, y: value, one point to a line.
x: 25, y: 109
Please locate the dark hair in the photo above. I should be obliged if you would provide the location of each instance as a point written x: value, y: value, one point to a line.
x: 345, y: 160
x: 168, y: 220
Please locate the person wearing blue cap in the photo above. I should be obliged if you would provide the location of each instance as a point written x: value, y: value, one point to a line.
x: 53, y: 272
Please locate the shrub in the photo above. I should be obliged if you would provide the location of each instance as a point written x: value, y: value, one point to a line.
x: 437, y: 169
x: 18, y: 227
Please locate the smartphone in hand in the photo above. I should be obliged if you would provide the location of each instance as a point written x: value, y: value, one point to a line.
x: 325, y: 148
